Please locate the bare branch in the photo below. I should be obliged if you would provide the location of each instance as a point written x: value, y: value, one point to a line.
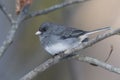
x: 53, y: 8
x: 11, y: 34
x: 101, y: 64
x: 8, y: 15
x: 9, y: 39
x: 58, y: 58
x: 42, y: 67
x: 23, y: 13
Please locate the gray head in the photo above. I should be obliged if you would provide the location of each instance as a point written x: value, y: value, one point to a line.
x: 49, y: 28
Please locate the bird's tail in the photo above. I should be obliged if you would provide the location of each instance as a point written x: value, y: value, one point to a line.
x: 98, y: 30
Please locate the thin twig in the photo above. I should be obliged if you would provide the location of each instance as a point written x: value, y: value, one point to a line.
x: 101, y: 64
x: 111, y: 50
x: 53, y: 8
x: 8, y: 15
x: 58, y: 58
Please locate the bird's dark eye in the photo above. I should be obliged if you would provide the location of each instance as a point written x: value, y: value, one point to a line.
x: 44, y: 29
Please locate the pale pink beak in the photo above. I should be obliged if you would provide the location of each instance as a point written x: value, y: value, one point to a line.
x: 38, y: 33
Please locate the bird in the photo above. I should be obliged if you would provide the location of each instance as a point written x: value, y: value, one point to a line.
x: 56, y: 38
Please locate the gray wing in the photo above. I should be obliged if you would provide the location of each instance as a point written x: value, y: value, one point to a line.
x: 66, y: 32
x: 72, y: 33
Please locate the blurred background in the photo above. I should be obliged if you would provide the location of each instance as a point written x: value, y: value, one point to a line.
x: 26, y: 52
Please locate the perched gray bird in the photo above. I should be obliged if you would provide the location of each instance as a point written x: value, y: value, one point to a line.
x: 57, y: 38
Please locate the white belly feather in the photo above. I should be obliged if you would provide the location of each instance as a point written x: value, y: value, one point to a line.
x: 56, y: 48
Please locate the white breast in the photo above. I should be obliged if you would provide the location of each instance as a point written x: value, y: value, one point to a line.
x: 56, y: 48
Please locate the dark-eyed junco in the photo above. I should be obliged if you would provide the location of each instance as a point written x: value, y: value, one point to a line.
x: 57, y: 38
